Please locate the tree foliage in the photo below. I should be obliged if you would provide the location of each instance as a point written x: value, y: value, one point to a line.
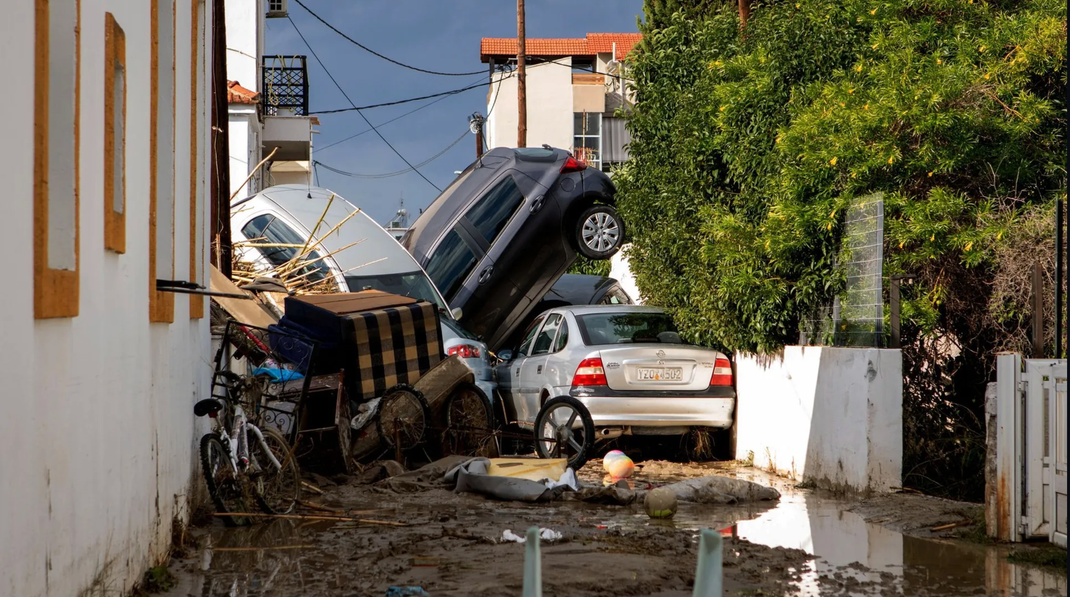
x: 749, y: 146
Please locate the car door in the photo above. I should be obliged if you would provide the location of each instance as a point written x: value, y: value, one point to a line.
x: 559, y: 369
x: 533, y: 369
x: 509, y: 375
x: 491, y: 296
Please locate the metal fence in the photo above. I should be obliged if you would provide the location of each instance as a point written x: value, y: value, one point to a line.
x: 285, y: 85
x: 858, y: 314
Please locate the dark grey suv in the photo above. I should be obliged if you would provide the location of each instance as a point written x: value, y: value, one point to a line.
x: 507, y: 228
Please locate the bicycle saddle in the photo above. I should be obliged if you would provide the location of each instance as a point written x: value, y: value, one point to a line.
x: 208, y: 406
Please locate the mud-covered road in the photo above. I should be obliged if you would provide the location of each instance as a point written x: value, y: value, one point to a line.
x: 451, y: 544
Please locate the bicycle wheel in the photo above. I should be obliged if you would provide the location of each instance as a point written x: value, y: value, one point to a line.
x: 469, y: 423
x: 402, y: 417
x: 277, y: 489
x: 225, y: 484
x: 564, y: 429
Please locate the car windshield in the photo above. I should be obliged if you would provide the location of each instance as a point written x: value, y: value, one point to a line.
x: 599, y: 329
x: 412, y: 284
x: 457, y: 329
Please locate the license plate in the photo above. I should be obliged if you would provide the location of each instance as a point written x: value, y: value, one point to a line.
x: 659, y: 373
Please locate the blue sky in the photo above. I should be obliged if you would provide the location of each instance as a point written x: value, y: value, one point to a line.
x: 441, y: 35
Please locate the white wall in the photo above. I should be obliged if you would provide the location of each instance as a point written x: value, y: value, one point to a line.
x: 244, y: 134
x: 245, y: 41
x: 549, y: 88
x: 98, y: 420
x: 824, y: 414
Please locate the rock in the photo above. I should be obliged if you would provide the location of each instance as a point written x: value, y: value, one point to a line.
x: 392, y: 468
x: 660, y: 503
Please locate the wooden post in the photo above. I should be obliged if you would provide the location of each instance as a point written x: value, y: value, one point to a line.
x: 220, y: 174
x: 479, y: 141
x: 1038, y: 312
x: 744, y: 13
x: 1059, y: 280
x: 521, y: 78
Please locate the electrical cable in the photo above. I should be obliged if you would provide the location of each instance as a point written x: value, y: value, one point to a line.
x: 398, y: 102
x: 396, y: 118
x: 399, y: 172
x: 345, y: 95
x: 371, y: 51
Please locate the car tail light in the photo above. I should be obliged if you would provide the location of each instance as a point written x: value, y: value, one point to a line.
x: 465, y: 351
x: 590, y: 373
x: 572, y: 165
x: 722, y: 373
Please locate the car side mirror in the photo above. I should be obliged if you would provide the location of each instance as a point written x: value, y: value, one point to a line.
x: 456, y: 313
x: 505, y: 356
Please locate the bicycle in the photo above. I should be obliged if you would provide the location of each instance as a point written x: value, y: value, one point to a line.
x: 238, y: 471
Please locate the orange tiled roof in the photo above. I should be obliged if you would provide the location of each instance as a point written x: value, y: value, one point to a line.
x: 236, y: 94
x: 594, y: 43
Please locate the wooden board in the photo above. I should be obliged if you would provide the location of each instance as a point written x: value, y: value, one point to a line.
x: 245, y: 311
x: 533, y: 469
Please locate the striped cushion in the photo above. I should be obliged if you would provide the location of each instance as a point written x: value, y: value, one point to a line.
x: 393, y: 345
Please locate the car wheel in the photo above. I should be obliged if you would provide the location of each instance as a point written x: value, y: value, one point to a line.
x: 599, y: 232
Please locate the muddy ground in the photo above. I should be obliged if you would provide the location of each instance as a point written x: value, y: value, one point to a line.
x: 808, y: 543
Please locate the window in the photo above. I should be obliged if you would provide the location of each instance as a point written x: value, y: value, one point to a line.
x: 282, y: 244
x: 615, y: 297
x: 627, y: 328
x: 56, y: 121
x: 529, y: 335
x: 161, y: 158
x: 196, y: 151
x: 450, y: 264
x: 587, y: 138
x: 545, y: 339
x: 491, y: 213
x: 114, y: 135
x: 562, y: 337
x: 413, y: 284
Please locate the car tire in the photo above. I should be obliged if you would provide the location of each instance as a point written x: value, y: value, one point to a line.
x: 579, y: 441
x: 598, y: 232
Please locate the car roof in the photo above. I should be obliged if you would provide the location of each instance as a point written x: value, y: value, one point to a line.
x: 377, y: 251
x: 589, y: 309
x: 579, y: 289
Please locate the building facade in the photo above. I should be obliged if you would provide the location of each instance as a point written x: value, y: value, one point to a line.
x: 575, y: 90
x: 107, y: 150
x: 268, y: 104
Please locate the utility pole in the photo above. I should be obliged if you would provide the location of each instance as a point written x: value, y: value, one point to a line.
x: 476, y: 122
x: 521, y: 78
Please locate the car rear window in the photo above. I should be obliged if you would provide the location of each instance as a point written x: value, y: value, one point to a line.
x: 491, y: 213
x: 450, y: 264
x: 599, y: 329
x: 535, y: 154
x: 412, y: 284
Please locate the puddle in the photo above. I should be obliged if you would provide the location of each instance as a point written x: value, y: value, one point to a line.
x: 851, y: 557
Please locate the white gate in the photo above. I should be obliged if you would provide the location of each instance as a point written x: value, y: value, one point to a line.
x: 1030, y: 493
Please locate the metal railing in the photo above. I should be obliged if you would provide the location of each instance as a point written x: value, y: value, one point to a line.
x: 284, y: 85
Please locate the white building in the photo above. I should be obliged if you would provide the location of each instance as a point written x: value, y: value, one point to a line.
x: 268, y: 103
x: 574, y: 88
x: 106, y: 149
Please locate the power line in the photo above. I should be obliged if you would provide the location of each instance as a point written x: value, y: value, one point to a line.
x: 345, y: 95
x: 396, y: 118
x: 371, y: 51
x: 399, y: 172
x: 397, y: 102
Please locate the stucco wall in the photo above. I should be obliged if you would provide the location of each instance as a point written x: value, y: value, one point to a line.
x: 549, y: 88
x: 828, y: 415
x: 245, y: 41
x: 244, y: 135
x: 98, y: 423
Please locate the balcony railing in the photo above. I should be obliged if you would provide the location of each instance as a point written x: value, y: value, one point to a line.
x: 284, y: 86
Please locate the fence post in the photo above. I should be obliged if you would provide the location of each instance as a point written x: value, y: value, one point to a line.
x: 1059, y: 279
x: 1038, y: 312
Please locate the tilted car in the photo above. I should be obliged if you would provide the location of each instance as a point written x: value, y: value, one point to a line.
x: 507, y: 228
x: 626, y: 365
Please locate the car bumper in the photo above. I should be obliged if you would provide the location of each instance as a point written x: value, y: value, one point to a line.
x: 659, y: 411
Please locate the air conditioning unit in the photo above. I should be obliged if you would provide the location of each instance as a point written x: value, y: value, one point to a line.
x: 276, y: 9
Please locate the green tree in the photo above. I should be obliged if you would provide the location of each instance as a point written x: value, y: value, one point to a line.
x: 747, y: 149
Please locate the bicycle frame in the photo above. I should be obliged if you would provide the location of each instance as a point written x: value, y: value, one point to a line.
x: 237, y: 440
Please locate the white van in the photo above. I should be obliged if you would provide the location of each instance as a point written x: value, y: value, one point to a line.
x: 358, y: 255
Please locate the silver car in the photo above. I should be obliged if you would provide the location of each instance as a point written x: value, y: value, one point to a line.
x: 626, y: 364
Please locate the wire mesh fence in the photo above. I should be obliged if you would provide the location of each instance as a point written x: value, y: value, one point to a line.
x: 858, y: 313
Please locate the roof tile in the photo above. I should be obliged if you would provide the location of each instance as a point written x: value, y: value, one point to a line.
x: 594, y: 43
x: 236, y: 94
